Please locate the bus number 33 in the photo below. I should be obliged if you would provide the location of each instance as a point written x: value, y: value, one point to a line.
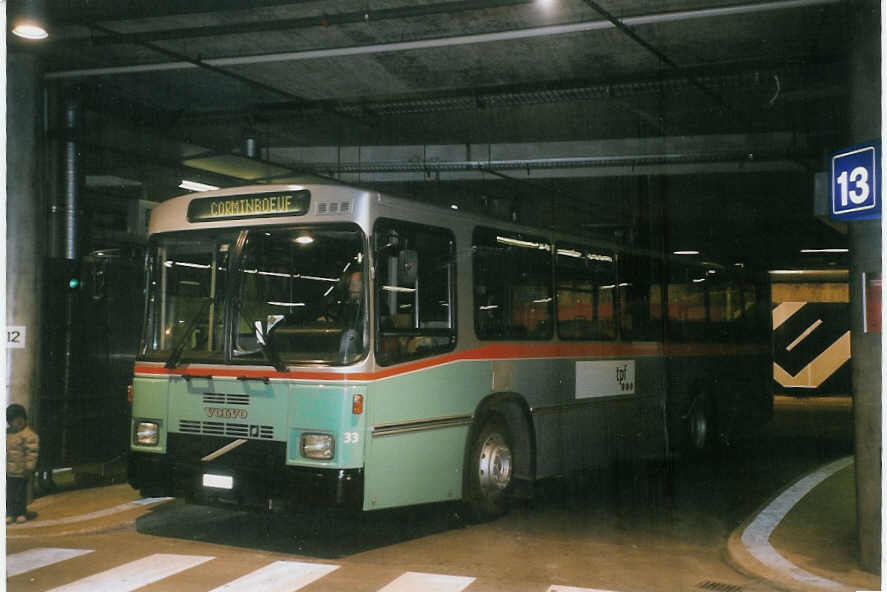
x: 352, y: 437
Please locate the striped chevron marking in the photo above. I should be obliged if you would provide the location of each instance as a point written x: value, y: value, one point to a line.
x: 280, y: 576
x: 135, y: 574
x: 411, y: 581
x: 784, y: 311
x: 19, y: 563
x: 820, y: 368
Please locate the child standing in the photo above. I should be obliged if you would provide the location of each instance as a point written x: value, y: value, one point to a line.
x: 22, y: 445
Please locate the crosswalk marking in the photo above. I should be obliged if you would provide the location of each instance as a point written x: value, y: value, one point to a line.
x: 280, y: 576
x: 19, y: 563
x: 135, y: 574
x: 426, y: 582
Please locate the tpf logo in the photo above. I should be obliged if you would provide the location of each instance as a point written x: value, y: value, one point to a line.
x: 624, y: 379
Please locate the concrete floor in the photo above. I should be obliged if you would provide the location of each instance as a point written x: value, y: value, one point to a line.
x: 632, y: 528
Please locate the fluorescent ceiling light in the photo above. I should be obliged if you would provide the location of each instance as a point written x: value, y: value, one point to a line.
x: 685, y: 253
x: 304, y: 240
x: 276, y: 274
x: 522, y: 243
x: 569, y: 253
x: 825, y: 250
x: 195, y: 186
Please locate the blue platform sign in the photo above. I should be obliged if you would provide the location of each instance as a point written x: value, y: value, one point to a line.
x: 856, y: 183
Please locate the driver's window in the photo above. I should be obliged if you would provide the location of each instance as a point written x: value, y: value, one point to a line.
x: 300, y: 296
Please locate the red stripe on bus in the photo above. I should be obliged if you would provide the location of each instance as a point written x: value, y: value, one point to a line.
x: 503, y: 351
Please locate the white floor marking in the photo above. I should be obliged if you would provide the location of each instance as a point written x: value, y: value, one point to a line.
x: 574, y: 589
x: 135, y: 574
x: 280, y: 576
x: 412, y: 581
x: 756, y: 537
x: 89, y: 516
x: 19, y: 563
x: 147, y: 501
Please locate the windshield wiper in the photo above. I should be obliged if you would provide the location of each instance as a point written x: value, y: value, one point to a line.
x: 266, y: 344
x: 176, y: 353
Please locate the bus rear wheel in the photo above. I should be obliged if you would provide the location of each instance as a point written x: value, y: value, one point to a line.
x: 490, y: 474
x: 700, y: 426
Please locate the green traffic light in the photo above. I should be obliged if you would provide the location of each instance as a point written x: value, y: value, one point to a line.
x: 73, y: 283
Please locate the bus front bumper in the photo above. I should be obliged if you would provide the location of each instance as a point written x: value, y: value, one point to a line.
x: 277, y: 488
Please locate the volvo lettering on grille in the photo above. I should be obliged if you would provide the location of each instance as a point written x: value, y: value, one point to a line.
x: 226, y: 413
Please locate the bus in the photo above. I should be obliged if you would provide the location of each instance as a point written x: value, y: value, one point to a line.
x: 307, y: 344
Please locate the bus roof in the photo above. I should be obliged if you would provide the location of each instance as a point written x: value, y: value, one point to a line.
x: 236, y: 207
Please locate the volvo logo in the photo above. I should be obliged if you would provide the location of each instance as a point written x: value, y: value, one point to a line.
x: 226, y: 413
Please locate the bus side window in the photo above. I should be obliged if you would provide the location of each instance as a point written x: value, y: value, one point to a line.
x: 415, y: 287
x: 586, y: 292
x: 512, y: 285
x: 640, y: 297
x: 687, y: 313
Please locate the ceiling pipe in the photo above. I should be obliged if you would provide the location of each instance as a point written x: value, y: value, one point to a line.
x: 458, y: 40
x: 72, y: 177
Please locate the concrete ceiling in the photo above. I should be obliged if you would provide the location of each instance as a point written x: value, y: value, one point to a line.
x: 732, y: 106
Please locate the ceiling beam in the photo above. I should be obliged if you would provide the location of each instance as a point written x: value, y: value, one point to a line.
x: 287, y: 24
x: 297, y: 100
x: 437, y: 42
x: 111, y: 10
x: 659, y: 54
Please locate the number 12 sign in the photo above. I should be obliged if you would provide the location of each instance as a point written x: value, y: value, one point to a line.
x: 856, y: 186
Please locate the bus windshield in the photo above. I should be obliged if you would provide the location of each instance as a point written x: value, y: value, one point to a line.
x: 296, y: 295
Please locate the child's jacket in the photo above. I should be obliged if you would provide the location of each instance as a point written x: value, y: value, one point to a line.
x: 21, y: 452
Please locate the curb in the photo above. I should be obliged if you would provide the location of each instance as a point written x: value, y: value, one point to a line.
x: 748, y: 548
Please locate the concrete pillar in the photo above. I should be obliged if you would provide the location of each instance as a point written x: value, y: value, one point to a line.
x: 865, y: 248
x: 25, y: 224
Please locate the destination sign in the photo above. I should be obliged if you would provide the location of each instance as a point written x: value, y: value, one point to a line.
x: 229, y: 207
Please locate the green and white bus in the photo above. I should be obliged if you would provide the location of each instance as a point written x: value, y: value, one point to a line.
x: 320, y: 343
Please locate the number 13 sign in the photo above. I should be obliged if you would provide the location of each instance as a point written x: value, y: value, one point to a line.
x: 856, y: 183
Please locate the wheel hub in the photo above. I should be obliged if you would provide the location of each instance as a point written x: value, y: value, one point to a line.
x: 698, y: 427
x: 494, y: 468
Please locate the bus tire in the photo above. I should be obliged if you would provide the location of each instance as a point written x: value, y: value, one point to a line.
x: 490, y: 471
x: 700, y: 427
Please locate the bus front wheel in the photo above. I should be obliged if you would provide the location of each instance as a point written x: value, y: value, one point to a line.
x: 489, y: 471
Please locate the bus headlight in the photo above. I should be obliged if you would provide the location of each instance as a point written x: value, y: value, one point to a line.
x: 147, y: 433
x: 319, y: 446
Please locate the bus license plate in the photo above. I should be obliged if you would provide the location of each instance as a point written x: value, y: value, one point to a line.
x: 218, y: 481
